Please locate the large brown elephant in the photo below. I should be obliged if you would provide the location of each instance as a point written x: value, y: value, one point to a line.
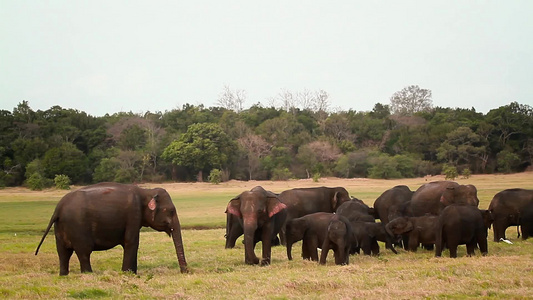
x: 304, y: 201
x: 506, y: 208
x: 102, y: 216
x: 388, y: 202
x: 261, y: 215
x: 432, y: 198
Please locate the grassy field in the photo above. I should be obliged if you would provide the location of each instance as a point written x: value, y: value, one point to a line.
x: 217, y: 273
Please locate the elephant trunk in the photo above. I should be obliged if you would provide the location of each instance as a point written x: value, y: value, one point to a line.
x: 178, y: 244
x: 249, y: 245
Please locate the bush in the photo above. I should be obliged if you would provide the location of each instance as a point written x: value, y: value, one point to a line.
x: 466, y: 173
x: 281, y: 174
x: 215, y: 176
x: 316, y: 177
x: 62, y: 182
x: 37, y: 182
x: 450, y: 172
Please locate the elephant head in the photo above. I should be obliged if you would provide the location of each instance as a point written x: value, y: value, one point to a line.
x: 399, y: 226
x: 341, y: 195
x: 459, y: 194
x: 161, y: 215
x: 255, y: 209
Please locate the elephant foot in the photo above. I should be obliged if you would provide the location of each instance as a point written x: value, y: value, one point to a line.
x: 253, y: 261
x: 265, y: 262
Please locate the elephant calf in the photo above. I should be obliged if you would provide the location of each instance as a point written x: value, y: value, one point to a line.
x: 339, y: 239
x: 311, y: 230
x: 417, y: 230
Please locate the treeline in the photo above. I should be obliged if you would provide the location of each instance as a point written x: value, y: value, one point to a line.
x: 259, y: 143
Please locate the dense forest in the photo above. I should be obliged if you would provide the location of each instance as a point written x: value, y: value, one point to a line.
x: 262, y: 142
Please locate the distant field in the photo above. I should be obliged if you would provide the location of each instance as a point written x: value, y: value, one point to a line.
x: 219, y: 273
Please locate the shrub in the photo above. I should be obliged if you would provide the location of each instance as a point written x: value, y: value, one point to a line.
x: 281, y: 174
x: 316, y: 177
x: 215, y: 176
x: 466, y: 173
x: 62, y: 182
x: 37, y: 182
x: 450, y: 172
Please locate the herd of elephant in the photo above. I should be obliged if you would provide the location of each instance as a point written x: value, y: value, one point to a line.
x: 438, y: 214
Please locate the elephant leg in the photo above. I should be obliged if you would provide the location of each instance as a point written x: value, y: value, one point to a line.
x: 499, y: 230
x: 267, y: 246
x: 131, y: 247
x: 483, y: 245
x: 375, y: 247
x: 453, y: 251
x: 305, y: 249
x: 84, y: 256
x: 64, y: 258
x: 325, y: 250
x: 470, y: 248
x: 413, y: 243
x: 312, y: 246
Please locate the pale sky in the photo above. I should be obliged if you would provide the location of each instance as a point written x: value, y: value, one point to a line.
x: 111, y: 56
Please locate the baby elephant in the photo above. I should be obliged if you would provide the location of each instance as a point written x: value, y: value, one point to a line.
x: 462, y: 225
x: 416, y: 229
x: 311, y: 230
x: 338, y: 238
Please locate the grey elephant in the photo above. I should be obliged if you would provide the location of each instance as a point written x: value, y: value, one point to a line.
x: 339, y: 239
x: 390, y: 201
x: 431, y: 198
x: 417, y: 230
x: 234, y: 230
x: 304, y: 201
x: 461, y: 224
x: 311, y: 230
x: 102, y: 216
x: 506, y: 208
x: 261, y: 215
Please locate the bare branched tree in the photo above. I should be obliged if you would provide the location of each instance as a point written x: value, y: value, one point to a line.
x: 256, y: 147
x: 232, y: 99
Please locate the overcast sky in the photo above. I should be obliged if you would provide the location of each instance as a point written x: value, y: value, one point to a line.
x: 111, y: 56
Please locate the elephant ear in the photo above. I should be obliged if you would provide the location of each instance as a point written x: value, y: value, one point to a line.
x: 152, y: 206
x: 444, y: 198
x: 335, y: 201
x: 274, y: 205
x: 409, y: 226
x: 234, y: 207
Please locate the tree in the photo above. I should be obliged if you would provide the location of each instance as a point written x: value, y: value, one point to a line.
x: 232, y: 100
x: 460, y: 146
x: 203, y: 147
x: 410, y: 100
x: 317, y: 156
x: 67, y: 160
x: 256, y: 148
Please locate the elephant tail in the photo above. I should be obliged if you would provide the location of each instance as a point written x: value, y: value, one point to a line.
x: 52, y: 221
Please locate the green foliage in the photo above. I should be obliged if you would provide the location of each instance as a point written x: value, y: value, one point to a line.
x: 65, y: 159
x: 450, y: 172
x: 316, y: 177
x: 181, y: 143
x: 466, y: 173
x: 215, y: 176
x: 507, y: 161
x: 203, y: 146
x: 62, y: 182
x: 37, y: 182
x: 384, y: 167
x: 281, y: 174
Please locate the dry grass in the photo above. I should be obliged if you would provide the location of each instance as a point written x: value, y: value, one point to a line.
x: 217, y: 273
